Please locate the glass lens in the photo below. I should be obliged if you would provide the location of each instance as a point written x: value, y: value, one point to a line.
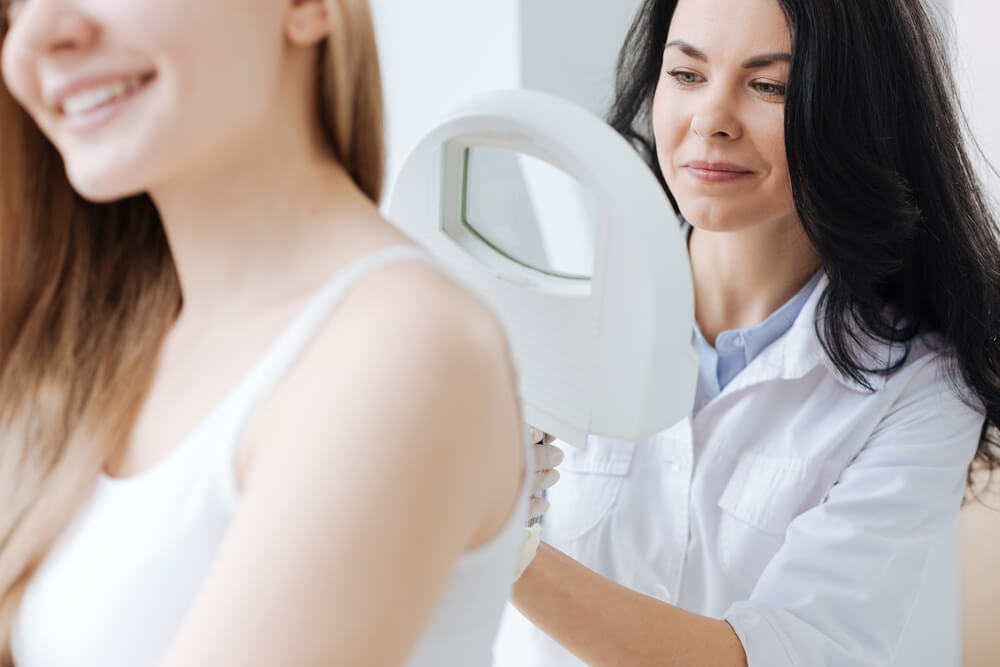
x: 530, y: 211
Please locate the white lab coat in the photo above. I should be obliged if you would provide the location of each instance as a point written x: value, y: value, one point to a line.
x: 796, y: 505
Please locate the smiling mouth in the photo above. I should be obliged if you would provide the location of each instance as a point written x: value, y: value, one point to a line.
x: 100, y: 96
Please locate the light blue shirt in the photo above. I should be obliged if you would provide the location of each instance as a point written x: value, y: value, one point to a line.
x: 736, y: 348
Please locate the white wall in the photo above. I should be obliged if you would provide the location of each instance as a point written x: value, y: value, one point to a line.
x: 976, y: 24
x: 570, y: 47
x: 436, y: 53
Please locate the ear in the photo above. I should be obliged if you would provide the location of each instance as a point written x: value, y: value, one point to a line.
x: 307, y: 22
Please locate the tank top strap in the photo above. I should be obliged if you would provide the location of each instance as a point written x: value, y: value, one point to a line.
x: 286, y: 350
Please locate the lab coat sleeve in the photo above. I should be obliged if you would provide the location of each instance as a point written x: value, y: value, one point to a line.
x: 839, y: 590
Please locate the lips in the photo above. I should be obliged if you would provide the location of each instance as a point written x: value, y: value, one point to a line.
x: 716, y: 172
x: 89, y: 103
x: 718, y: 166
x: 85, y: 94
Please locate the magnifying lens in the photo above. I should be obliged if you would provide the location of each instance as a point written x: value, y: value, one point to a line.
x: 551, y: 217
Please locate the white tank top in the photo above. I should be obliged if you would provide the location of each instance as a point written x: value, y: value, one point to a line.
x: 116, y: 586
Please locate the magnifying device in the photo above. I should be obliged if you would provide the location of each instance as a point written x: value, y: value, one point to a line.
x: 553, y: 219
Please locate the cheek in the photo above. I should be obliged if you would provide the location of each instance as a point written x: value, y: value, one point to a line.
x: 215, y: 75
x: 16, y: 69
x: 769, y: 137
x: 227, y: 77
x: 670, y: 124
x: 769, y: 141
x: 780, y: 183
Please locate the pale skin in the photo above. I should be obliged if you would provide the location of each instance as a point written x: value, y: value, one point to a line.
x: 347, y: 527
x: 719, y: 101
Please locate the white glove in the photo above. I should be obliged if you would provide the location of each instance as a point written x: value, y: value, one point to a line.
x: 547, y: 457
x: 532, y: 536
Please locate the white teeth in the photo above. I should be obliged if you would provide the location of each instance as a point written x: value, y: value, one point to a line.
x: 89, y: 100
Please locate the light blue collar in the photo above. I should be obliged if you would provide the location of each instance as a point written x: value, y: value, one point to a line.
x: 736, y: 348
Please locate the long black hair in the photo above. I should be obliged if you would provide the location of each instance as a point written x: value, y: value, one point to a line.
x: 881, y: 179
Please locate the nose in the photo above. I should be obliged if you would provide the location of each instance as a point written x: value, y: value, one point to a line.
x: 717, y: 116
x: 54, y: 28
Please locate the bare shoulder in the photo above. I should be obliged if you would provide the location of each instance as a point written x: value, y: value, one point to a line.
x: 414, y: 371
x: 404, y: 307
x: 391, y: 448
x: 417, y: 312
x: 411, y: 326
x: 410, y: 294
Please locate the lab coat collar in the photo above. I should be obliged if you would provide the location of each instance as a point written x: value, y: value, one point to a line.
x: 799, y: 352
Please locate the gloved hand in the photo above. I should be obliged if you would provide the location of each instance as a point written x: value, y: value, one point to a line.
x: 547, y: 457
x: 532, y: 538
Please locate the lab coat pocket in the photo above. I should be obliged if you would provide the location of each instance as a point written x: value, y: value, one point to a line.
x: 762, y: 497
x: 590, y: 482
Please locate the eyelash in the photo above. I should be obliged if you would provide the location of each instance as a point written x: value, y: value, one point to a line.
x: 763, y: 87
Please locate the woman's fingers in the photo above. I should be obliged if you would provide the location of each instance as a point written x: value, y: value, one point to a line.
x: 536, y: 436
x: 539, y: 506
x: 544, y: 479
x: 547, y: 456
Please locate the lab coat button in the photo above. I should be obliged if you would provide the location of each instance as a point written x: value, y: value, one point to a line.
x: 662, y: 593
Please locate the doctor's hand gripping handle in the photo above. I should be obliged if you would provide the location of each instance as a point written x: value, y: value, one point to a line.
x: 546, y: 457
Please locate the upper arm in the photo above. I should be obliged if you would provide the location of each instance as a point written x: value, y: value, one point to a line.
x: 355, y: 510
x: 838, y: 590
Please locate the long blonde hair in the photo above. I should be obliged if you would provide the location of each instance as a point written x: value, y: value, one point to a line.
x: 90, y: 290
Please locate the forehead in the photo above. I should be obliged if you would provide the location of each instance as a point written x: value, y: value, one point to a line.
x: 731, y: 27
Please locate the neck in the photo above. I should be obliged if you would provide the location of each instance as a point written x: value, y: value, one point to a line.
x: 245, y: 227
x: 742, y: 277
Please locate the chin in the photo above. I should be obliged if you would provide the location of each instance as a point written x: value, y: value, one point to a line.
x: 103, y: 187
x: 710, y: 218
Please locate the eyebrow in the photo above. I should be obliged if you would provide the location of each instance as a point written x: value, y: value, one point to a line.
x: 750, y: 63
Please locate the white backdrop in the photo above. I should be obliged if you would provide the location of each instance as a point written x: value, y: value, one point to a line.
x: 436, y: 53
x: 976, y: 24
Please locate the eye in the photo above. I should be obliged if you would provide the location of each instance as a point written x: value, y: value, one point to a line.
x: 684, y: 77
x: 769, y: 89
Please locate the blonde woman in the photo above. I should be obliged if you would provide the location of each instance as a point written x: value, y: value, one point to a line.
x: 235, y: 404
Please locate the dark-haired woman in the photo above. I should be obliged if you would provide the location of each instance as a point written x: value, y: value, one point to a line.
x: 847, y: 282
